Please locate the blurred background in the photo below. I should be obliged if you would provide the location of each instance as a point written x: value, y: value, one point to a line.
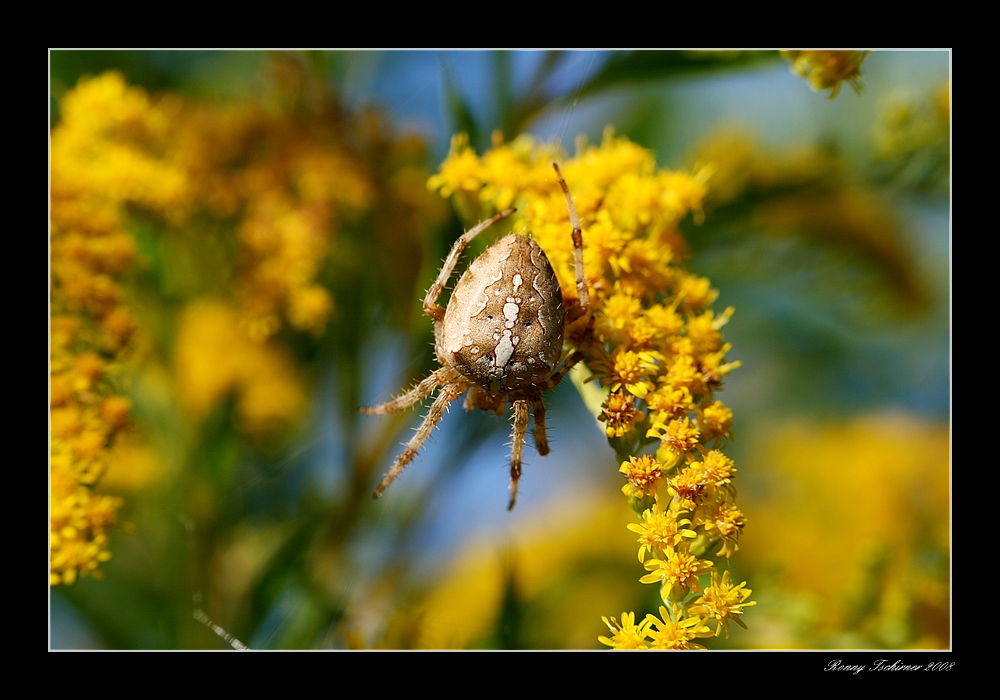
x: 262, y: 254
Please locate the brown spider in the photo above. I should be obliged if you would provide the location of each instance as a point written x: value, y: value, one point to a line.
x: 500, y: 338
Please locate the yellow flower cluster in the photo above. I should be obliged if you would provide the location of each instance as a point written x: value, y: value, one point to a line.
x: 741, y: 166
x: 877, y: 581
x: 86, y: 415
x: 827, y: 70
x: 290, y: 182
x: 214, y: 356
x: 656, y: 348
x: 96, y: 173
x: 912, y: 137
x: 238, y: 203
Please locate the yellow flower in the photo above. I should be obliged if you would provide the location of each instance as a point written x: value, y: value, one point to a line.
x: 689, y: 488
x: 683, y: 371
x: 722, y: 602
x: 678, y: 572
x: 309, y: 308
x: 717, y: 468
x: 714, y: 368
x: 670, y: 403
x: 672, y: 630
x: 678, y: 436
x: 461, y: 170
x: 715, y: 420
x: 644, y: 475
x: 619, y: 413
x: 828, y: 69
x: 505, y: 172
x: 626, y: 635
x: 631, y: 370
x: 724, y: 522
x: 694, y: 293
x: 619, y: 310
x: 660, y: 531
x: 214, y: 357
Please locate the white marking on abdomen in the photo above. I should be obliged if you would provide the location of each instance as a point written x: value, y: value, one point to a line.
x: 510, y: 311
x: 503, y: 351
x: 482, y: 301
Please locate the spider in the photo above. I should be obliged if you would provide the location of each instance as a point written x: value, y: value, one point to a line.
x: 500, y: 338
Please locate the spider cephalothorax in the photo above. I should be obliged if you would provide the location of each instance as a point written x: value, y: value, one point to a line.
x: 500, y: 338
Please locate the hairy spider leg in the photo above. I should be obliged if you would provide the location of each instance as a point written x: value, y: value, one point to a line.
x: 583, y: 294
x: 538, y: 412
x: 517, y: 446
x: 431, y: 307
x: 419, y: 392
x: 449, y: 392
x: 561, y: 373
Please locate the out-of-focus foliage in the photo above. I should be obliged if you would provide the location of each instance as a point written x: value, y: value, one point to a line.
x: 808, y: 193
x: 239, y: 244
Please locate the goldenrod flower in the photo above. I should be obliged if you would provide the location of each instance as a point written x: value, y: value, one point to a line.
x: 694, y: 293
x: 214, y: 357
x: 827, y: 70
x: 282, y: 182
x: 460, y: 171
x: 669, y: 403
x: 722, y: 602
x: 718, y: 470
x: 309, y: 308
x: 631, y: 370
x: 677, y: 436
x: 626, y: 635
x: 683, y: 371
x: 619, y: 413
x: 724, y: 523
x: 674, y: 631
x: 619, y: 310
x: 644, y: 475
x: 660, y: 531
x: 689, y: 487
x: 678, y: 572
x: 715, y: 420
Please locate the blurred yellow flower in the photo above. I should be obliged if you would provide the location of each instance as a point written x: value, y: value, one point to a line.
x: 827, y: 70
x: 857, y: 516
x: 214, y: 357
x: 239, y: 202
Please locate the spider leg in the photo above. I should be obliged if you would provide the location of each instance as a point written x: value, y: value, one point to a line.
x: 538, y: 411
x: 581, y: 282
x: 449, y: 392
x: 517, y: 446
x: 418, y: 393
x: 561, y: 373
x: 431, y: 307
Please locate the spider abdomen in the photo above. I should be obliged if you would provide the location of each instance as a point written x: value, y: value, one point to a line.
x: 503, y: 327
